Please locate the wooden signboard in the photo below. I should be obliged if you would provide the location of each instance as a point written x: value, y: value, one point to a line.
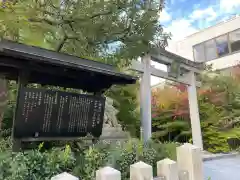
x: 43, y: 113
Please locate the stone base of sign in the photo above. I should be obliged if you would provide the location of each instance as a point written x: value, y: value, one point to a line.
x: 114, y: 133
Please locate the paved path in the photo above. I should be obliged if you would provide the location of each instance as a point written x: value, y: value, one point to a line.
x: 223, y: 169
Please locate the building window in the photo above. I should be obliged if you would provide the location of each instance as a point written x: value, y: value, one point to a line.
x: 217, y: 47
x: 210, y: 50
x: 222, y: 45
x: 198, y: 52
x: 234, y: 38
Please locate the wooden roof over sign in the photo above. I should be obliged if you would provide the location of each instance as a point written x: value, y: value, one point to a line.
x: 52, y: 68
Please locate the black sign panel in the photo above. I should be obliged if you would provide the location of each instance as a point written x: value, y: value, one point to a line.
x: 47, y: 113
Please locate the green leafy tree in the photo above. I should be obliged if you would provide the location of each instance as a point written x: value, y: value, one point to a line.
x: 86, y: 28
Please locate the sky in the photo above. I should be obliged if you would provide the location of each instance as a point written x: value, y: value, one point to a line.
x: 185, y: 17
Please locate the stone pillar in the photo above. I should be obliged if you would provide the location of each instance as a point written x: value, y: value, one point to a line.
x: 64, y: 176
x: 141, y: 171
x: 168, y: 169
x: 145, y: 95
x: 194, y: 112
x: 189, y: 158
x: 108, y: 173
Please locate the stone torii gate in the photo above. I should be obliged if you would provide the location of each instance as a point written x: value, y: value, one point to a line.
x: 180, y: 70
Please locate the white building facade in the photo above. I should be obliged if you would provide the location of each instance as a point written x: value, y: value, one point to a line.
x: 217, y: 45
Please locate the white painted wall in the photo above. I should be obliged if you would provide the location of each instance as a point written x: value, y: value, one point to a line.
x: 184, y: 47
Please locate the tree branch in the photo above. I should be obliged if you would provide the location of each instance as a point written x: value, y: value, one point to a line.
x: 48, y: 21
x: 91, y: 17
x: 66, y: 21
x: 61, y: 43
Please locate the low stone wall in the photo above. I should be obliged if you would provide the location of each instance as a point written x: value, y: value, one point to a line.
x: 189, y: 166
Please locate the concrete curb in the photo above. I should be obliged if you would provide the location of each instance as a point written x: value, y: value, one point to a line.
x: 219, y: 156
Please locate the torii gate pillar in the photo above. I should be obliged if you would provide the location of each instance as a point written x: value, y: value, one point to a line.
x: 145, y: 98
x: 194, y: 112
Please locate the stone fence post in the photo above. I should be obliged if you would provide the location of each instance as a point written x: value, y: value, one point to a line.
x: 64, y: 176
x: 108, y: 173
x: 189, y: 158
x: 167, y: 168
x: 141, y: 171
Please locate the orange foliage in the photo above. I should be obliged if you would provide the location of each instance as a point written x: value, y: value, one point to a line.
x: 170, y: 99
x: 175, y: 99
x: 164, y: 98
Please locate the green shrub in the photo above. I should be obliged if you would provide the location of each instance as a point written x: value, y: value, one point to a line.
x: 120, y: 155
x: 215, y: 142
x: 5, y: 144
x: 37, y: 165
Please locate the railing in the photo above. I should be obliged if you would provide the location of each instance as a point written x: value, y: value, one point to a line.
x: 189, y: 166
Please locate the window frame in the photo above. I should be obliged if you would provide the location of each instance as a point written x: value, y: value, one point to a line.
x: 228, y: 42
x: 204, y: 53
x: 215, y: 49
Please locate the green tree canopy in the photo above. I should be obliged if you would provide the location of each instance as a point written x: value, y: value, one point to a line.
x: 92, y: 28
